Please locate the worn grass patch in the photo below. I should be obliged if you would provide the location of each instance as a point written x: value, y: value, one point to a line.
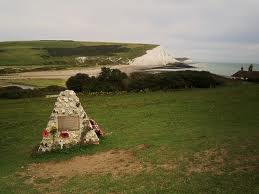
x: 115, y: 162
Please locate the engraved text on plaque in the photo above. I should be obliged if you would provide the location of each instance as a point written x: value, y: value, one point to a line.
x: 70, y: 123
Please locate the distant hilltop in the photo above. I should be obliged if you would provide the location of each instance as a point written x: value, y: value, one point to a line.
x: 69, y: 53
x: 44, y: 55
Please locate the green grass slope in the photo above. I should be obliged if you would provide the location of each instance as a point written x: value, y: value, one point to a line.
x: 209, y: 136
x: 63, y: 53
x: 37, y: 83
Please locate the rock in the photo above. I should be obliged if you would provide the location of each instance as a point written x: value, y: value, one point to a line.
x: 66, y: 99
x: 74, y: 123
x: 91, y: 138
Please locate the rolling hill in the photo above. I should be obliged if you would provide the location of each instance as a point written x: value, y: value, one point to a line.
x: 67, y: 53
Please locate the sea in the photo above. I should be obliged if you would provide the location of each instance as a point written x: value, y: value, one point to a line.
x: 224, y: 69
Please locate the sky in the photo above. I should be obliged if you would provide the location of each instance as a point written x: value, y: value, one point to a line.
x: 204, y: 30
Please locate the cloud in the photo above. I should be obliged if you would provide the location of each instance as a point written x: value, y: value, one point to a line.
x: 201, y: 29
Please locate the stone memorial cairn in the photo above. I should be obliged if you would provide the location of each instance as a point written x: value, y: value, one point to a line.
x: 68, y: 125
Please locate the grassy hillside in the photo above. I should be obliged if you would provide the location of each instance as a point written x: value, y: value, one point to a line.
x: 37, y: 83
x: 63, y: 53
x: 192, y: 141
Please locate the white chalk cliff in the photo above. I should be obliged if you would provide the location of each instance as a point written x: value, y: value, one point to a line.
x: 155, y: 57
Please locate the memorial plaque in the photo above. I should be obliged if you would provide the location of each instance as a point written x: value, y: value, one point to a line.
x: 70, y: 123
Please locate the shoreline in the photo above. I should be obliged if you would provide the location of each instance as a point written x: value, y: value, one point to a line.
x: 65, y: 74
x: 177, y: 65
x: 91, y: 71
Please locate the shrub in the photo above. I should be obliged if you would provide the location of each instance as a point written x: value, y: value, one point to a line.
x: 111, y: 75
x: 14, y: 92
x: 53, y: 88
x: 111, y: 80
x: 172, y: 80
x: 77, y: 82
x: 10, y: 92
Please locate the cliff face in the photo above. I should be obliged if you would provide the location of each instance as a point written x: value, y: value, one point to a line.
x: 155, y: 57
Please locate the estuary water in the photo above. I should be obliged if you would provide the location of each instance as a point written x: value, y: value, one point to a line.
x: 225, y: 69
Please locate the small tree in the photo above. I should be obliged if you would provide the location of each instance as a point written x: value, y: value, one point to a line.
x: 77, y: 82
x: 111, y: 75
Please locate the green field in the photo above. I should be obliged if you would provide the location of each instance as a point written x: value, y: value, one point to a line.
x: 52, y: 53
x: 37, y: 83
x: 189, y: 141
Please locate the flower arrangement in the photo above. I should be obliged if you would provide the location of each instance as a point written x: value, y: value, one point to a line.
x: 45, y: 133
x: 63, y: 134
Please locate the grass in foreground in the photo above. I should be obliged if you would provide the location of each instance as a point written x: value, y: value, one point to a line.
x: 211, y: 135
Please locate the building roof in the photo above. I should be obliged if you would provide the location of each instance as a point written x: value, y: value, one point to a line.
x: 247, y: 74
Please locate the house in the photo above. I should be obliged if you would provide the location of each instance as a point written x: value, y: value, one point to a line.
x: 249, y: 75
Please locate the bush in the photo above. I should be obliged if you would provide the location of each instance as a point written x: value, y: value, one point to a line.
x: 172, y: 80
x: 14, y: 92
x: 77, y: 82
x: 53, y: 88
x: 111, y: 75
x: 111, y: 80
